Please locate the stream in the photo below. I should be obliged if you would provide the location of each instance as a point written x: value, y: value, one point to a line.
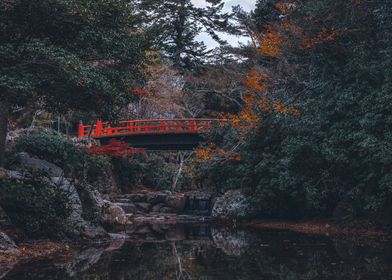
x: 204, y: 251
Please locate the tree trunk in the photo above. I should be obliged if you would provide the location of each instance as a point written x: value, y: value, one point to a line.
x: 4, y: 112
x: 180, y: 159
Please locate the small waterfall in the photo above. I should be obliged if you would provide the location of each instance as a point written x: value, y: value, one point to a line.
x: 198, y: 206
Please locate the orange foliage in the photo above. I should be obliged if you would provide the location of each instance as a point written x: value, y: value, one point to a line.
x: 204, y: 154
x: 270, y: 43
x: 257, y: 103
x: 279, y: 107
x: 285, y: 7
x: 249, y: 116
x: 215, y: 153
x: 257, y: 80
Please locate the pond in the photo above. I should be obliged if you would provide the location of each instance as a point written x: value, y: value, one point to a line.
x: 210, y: 252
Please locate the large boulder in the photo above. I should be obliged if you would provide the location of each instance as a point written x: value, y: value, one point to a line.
x: 232, y: 206
x: 167, y: 210
x: 129, y: 208
x: 75, y: 226
x: 155, y: 197
x: 136, y: 197
x: 157, y: 207
x: 177, y: 202
x: 25, y: 162
x: 114, y: 214
x: 143, y: 207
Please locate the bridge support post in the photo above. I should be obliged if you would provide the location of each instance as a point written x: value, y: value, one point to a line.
x: 194, y: 126
x: 80, y: 129
x: 98, y: 128
x: 131, y: 125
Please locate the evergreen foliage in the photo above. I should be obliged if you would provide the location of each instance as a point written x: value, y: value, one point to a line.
x: 175, y: 24
x: 53, y: 147
x: 61, y: 55
x: 35, y: 207
x: 331, y: 60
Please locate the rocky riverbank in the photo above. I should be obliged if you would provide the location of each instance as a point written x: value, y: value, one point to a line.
x: 132, y: 213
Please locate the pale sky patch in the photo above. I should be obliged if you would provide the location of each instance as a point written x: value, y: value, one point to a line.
x: 247, y: 5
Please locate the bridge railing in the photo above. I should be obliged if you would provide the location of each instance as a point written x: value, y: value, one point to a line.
x: 103, y: 129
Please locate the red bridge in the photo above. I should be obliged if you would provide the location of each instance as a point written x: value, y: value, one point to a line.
x: 160, y: 134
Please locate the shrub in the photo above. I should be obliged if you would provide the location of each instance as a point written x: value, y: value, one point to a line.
x: 152, y: 170
x: 76, y: 161
x: 34, y: 206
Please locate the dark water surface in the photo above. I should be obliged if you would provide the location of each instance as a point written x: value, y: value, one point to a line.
x: 205, y: 252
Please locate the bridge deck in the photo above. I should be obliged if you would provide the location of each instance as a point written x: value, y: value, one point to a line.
x: 139, y: 127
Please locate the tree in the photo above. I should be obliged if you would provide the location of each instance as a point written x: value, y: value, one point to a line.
x: 330, y: 60
x: 175, y: 24
x: 162, y: 93
x: 62, y: 55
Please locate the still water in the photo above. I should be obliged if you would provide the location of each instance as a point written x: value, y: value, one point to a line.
x: 208, y: 252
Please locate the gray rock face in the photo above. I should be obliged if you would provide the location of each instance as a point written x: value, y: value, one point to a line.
x: 25, y: 161
x: 177, y: 202
x: 6, y: 244
x: 152, y: 202
x: 231, y: 206
x: 156, y: 208
x: 144, y: 207
x: 167, y: 210
x: 129, y: 208
x: 136, y: 197
x: 72, y: 194
x: 155, y: 197
x: 75, y: 226
x: 114, y: 214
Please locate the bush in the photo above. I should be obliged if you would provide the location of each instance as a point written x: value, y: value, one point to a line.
x: 34, y: 206
x: 152, y: 170
x: 76, y: 161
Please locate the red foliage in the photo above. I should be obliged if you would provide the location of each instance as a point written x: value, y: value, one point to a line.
x: 139, y: 92
x: 116, y: 149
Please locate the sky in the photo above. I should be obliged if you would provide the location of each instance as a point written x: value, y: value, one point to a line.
x: 247, y: 5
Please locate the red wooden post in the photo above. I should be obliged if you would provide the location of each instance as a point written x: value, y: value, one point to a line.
x: 98, y: 128
x: 131, y: 127
x: 81, y: 130
x: 162, y: 126
x: 194, y: 125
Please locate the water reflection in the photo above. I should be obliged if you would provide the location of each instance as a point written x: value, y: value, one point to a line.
x: 209, y: 252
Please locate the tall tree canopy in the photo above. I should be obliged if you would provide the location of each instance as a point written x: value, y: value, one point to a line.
x: 175, y: 25
x: 323, y: 137
x: 62, y: 55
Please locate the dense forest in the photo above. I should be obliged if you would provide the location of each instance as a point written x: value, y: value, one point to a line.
x: 304, y: 107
